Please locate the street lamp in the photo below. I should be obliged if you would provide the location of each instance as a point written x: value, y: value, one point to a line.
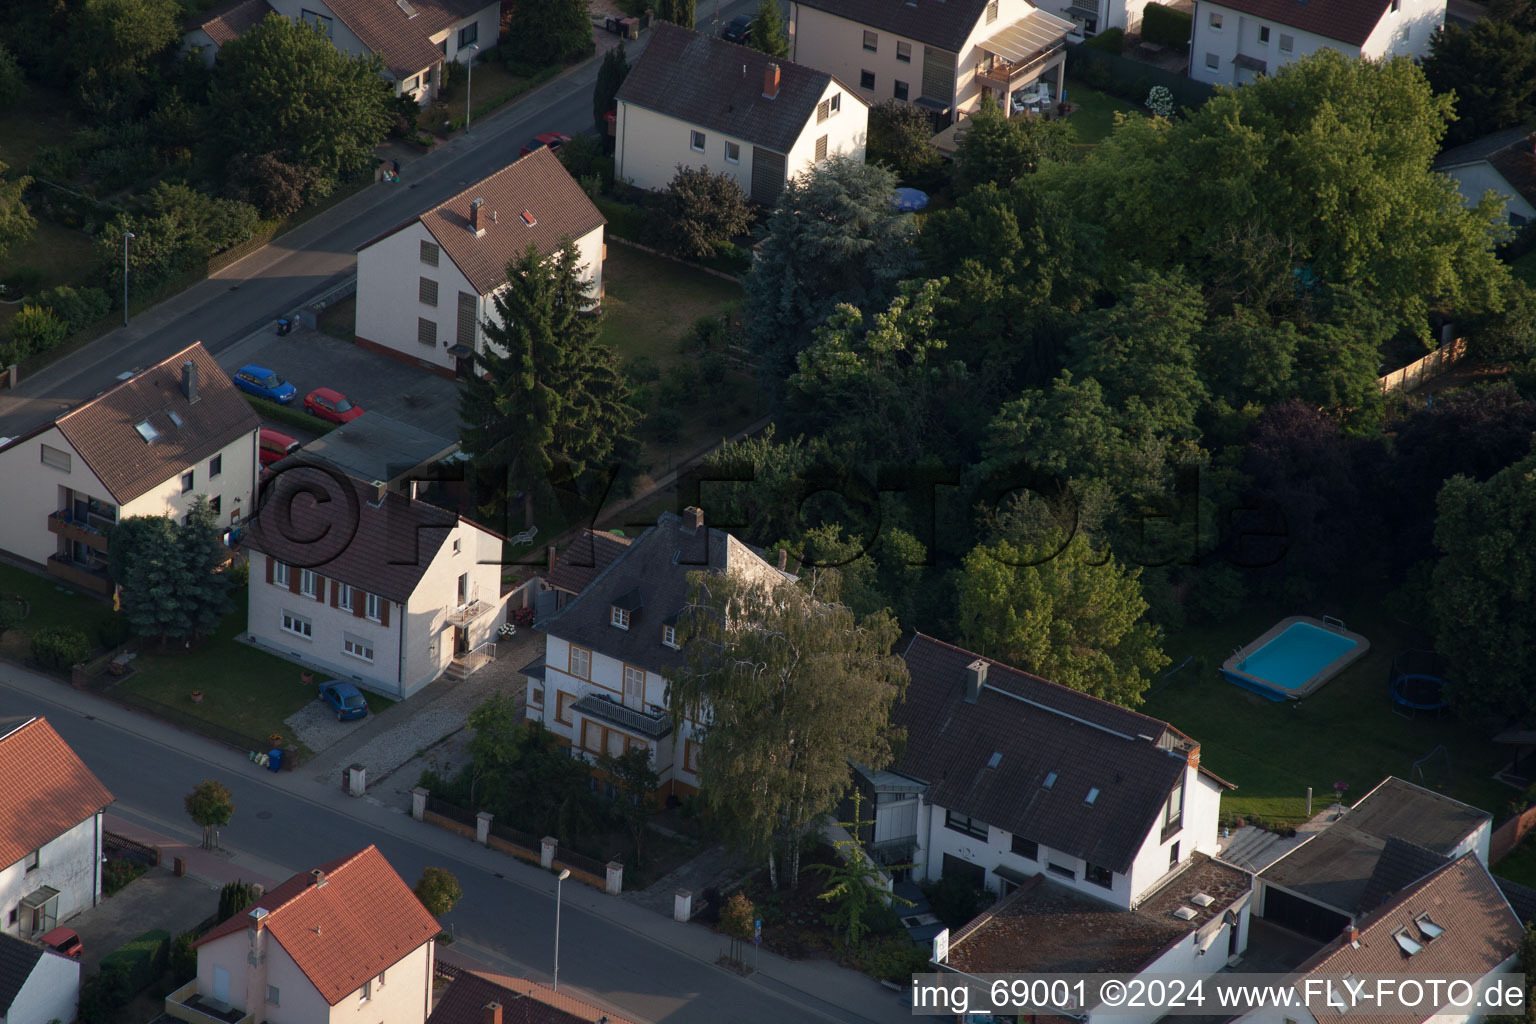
x: 469, y: 91
x: 559, y: 886
x: 127, y: 235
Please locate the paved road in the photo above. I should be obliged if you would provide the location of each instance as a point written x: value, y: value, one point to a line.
x: 625, y: 956
x: 299, y: 266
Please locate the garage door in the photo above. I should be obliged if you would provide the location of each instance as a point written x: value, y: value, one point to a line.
x: 1302, y: 916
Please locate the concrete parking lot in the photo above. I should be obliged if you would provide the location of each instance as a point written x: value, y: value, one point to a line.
x: 310, y: 359
x: 157, y: 899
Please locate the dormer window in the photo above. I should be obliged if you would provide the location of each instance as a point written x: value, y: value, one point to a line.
x: 620, y: 617
x: 624, y: 608
x: 669, y: 636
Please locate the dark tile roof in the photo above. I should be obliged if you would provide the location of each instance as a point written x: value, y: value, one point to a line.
x: 1516, y: 164
x: 382, y: 549
x: 1522, y: 899
x: 1400, y: 865
x: 387, y: 30
x: 522, y: 1002
x: 584, y: 560
x: 1045, y: 927
x: 1348, y: 21
x: 537, y: 183
x: 656, y: 564
x: 700, y: 80
x: 1481, y: 932
x: 1421, y: 816
x: 1332, y: 868
x: 1480, y: 149
x: 17, y: 959
x: 229, y: 21
x: 604, y: 708
x: 942, y: 23
x: 534, y: 669
x: 376, y: 447
x: 1038, y: 727
x: 103, y: 430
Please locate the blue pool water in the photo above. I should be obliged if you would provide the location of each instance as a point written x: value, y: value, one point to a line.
x: 1290, y: 660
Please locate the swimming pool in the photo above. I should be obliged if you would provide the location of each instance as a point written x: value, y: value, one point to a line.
x: 1294, y: 658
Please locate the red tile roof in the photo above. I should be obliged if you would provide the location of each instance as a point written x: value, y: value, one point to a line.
x: 229, y: 21
x: 522, y: 1002
x: 1348, y: 21
x: 362, y: 920
x: 45, y: 789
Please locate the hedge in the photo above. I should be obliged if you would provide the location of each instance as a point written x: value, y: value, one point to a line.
x: 293, y: 417
x: 1166, y: 26
x: 141, y: 960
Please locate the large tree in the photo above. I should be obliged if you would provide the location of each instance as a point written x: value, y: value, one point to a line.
x: 900, y: 138
x: 610, y: 75
x: 699, y: 212
x: 768, y: 34
x: 284, y: 88
x: 547, y: 402
x: 1064, y: 612
x: 834, y: 238
x: 1484, y: 594
x: 16, y: 221
x: 997, y: 150
x: 793, y: 691
x: 1491, y: 68
x: 170, y: 573
x: 542, y: 33
x: 111, y: 45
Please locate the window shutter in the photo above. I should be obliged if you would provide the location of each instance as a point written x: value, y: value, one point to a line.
x: 383, y: 611
x: 467, y: 320
x: 269, y: 568
x: 335, y: 593
x: 359, y: 603
x: 294, y: 574
x: 821, y: 149
x: 822, y: 110
x: 320, y: 582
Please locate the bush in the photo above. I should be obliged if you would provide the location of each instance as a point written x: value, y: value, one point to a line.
x: 183, y: 961
x: 667, y: 423
x: 118, y: 872
x: 454, y: 75
x: 103, y: 994
x: 293, y: 417
x: 58, y: 649
x: 114, y: 631
x: 1096, y: 73
x: 141, y: 960
x: 1109, y: 41
x: 11, y: 83
x: 21, y: 281
x: 583, y: 157
x: 642, y: 370
x: 34, y: 330
x: 77, y: 307
x: 899, y: 135
x: 709, y: 333
x: 10, y: 613
x: 276, y: 189
x: 1166, y: 26
x: 235, y: 897
x: 894, y: 959
x: 712, y: 368
x: 239, y: 573
x: 54, y: 163
x: 698, y: 211
x: 680, y: 389
x: 1508, y: 335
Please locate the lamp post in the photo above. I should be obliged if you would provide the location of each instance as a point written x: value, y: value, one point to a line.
x: 127, y: 236
x: 559, y: 887
x: 469, y: 90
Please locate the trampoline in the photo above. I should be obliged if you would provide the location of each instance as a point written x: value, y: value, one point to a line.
x: 1417, y: 681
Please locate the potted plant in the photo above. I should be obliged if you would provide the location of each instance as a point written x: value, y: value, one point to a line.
x: 197, y: 696
x: 307, y: 676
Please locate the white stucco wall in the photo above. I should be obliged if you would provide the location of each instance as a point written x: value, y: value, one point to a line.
x: 34, y: 491
x: 69, y: 863
x: 488, y: 20
x: 429, y: 638
x: 1404, y: 32
x: 403, y: 997
x: 50, y: 993
x: 234, y: 486
x: 1474, y: 179
x: 389, y: 274
x: 846, y: 131
x: 1185, y: 959
x: 1202, y: 804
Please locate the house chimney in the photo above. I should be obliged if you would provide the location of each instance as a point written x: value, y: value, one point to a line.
x: 475, y: 224
x: 319, y: 877
x: 783, y: 559
x: 189, y: 381
x: 693, y: 516
x: 771, y: 82
x: 975, y: 675
x: 1352, y: 934
x: 258, y: 916
x: 380, y: 492
x: 490, y: 1013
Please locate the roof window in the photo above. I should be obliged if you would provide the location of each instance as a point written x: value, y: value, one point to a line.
x: 175, y: 417
x: 1406, y: 942
x: 1093, y: 794
x: 1050, y: 780
x: 1427, y: 928
x: 995, y: 760
x: 146, y: 430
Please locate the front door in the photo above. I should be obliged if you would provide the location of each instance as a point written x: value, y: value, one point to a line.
x: 460, y: 641
x: 463, y: 366
x: 221, y: 984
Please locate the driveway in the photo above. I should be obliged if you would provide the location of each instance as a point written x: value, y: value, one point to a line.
x: 157, y: 899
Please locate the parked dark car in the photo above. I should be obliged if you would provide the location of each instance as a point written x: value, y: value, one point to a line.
x: 345, y: 699
x: 738, y: 31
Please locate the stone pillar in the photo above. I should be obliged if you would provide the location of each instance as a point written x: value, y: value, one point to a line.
x: 615, y: 877
x: 483, y: 828
x: 682, y: 906
x: 419, y: 803
x: 357, y: 780
x: 547, y: 852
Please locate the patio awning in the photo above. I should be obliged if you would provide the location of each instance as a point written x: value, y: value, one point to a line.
x: 1026, y: 38
x: 39, y: 898
x: 1015, y: 876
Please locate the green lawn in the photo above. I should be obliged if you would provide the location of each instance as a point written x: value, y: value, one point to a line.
x: 339, y: 318
x: 1095, y: 116
x: 52, y: 605
x: 652, y: 303
x: 1344, y: 732
x: 245, y: 691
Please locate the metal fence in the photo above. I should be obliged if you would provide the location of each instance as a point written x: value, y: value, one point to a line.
x: 516, y: 836
x: 1131, y: 79
x: 129, y: 849
x: 581, y: 862
x: 453, y: 812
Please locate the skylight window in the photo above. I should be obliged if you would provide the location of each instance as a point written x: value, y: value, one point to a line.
x: 1050, y: 780
x: 146, y: 430
x: 1406, y: 943
x: 995, y: 760
x: 175, y: 417
x: 1428, y: 928
x: 1093, y: 794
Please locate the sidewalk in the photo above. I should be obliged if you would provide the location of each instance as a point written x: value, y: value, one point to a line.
x: 217, y: 868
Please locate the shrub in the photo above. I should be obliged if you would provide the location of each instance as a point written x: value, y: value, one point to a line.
x: 583, y: 157
x: 141, y: 960
x: 1166, y: 26
x: 37, y: 329
x: 1160, y: 101
x: 698, y: 211
x: 712, y: 368
x: 709, y: 332
x: 894, y: 959
x: 1096, y: 73
x: 899, y: 135
x: 183, y: 960
x: 235, y: 897
x: 103, y: 994
x: 642, y: 370
x: 77, y: 307
x: 57, y: 649
x: 454, y: 74
x: 1110, y: 41
x: 640, y: 398
x: 54, y: 163
x: 11, y: 84
x: 680, y: 388
x: 10, y: 613
x: 276, y: 189
x: 239, y: 573
x: 113, y: 631
x: 21, y: 281
x: 118, y: 872
x: 668, y: 424
x: 1509, y: 334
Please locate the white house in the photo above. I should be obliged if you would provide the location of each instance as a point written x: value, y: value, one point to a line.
x: 150, y: 446
x: 50, y: 829
x: 942, y: 55
x: 1235, y: 40
x: 346, y: 943
x: 395, y: 593
x: 1008, y: 776
x: 695, y: 101
x: 1504, y: 164
x: 1450, y: 923
x: 37, y: 985
x: 601, y: 685
x: 414, y: 37
x: 426, y: 288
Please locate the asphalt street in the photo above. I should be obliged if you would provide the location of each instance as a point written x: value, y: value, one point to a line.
x: 626, y: 956
x: 300, y: 265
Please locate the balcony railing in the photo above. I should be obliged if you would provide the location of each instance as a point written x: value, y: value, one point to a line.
x: 186, y: 1005
x: 469, y: 613
x: 1008, y: 74
x: 65, y: 525
x: 94, y: 580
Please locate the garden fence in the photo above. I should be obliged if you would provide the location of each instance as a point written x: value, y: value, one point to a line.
x: 212, y: 730
x: 453, y: 812
x: 122, y: 846
x: 1131, y: 79
x: 1415, y: 374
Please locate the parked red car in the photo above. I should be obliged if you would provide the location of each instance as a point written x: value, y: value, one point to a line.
x: 330, y: 404
x: 275, y: 446
x: 65, y: 941
x: 552, y: 140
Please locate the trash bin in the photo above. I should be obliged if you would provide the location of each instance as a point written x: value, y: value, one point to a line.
x: 275, y: 760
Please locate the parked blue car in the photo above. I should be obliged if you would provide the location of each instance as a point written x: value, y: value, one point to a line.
x: 263, y: 383
x: 345, y: 699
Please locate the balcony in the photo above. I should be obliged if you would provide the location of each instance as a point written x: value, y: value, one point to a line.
x: 65, y: 525
x: 1022, y: 50
x: 187, y: 1006
x: 1007, y: 74
x: 463, y: 616
x: 82, y: 576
